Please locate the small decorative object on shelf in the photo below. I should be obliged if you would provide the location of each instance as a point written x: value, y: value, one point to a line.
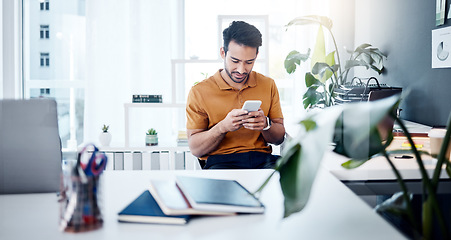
x: 137, y: 98
x: 105, y: 136
x: 182, y: 138
x: 151, y: 137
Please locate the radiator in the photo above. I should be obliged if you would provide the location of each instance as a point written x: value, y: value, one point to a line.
x: 151, y: 160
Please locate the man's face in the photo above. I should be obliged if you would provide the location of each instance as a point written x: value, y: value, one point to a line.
x: 238, y: 61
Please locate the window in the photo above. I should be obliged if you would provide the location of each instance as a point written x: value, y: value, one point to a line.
x: 44, y: 32
x: 44, y: 5
x: 202, y: 53
x: 63, y: 80
x: 45, y: 91
x: 86, y: 48
x: 45, y: 59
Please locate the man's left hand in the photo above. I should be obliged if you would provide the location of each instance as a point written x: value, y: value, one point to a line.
x: 256, y: 121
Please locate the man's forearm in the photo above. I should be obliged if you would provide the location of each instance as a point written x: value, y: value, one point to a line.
x: 203, y: 142
x: 276, y: 133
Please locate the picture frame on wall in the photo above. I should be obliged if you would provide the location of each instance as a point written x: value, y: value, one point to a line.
x: 440, y: 12
x: 441, y: 48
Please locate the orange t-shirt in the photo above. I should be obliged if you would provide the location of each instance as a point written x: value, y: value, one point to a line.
x: 211, y: 100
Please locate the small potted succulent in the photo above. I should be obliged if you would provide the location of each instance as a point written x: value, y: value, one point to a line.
x: 151, y: 137
x: 105, y: 136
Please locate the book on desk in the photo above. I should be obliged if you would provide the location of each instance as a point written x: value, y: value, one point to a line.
x: 218, y: 195
x: 175, y: 202
x: 145, y: 209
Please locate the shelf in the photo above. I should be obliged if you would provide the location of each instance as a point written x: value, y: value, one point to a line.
x: 154, y: 105
x: 127, y: 107
x: 157, y: 148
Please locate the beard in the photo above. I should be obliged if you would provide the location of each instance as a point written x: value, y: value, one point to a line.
x: 234, y: 79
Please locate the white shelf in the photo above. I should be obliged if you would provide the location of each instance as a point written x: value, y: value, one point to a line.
x: 157, y: 148
x: 127, y: 107
x: 154, y: 105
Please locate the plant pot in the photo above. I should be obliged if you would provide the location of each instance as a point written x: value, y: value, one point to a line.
x: 105, y: 139
x: 151, y: 140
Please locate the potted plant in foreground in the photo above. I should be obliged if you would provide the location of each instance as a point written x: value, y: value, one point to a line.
x: 302, y: 155
x: 327, y: 81
x: 151, y: 137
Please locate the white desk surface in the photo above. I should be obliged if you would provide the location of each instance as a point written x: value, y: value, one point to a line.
x: 334, y: 212
x: 378, y: 168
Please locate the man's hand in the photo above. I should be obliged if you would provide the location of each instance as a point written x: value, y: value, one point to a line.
x: 233, y: 121
x: 203, y: 141
x: 255, y: 120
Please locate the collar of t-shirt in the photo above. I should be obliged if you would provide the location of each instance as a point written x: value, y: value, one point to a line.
x: 223, y: 85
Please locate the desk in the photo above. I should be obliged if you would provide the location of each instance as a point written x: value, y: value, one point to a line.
x: 376, y: 177
x: 334, y: 212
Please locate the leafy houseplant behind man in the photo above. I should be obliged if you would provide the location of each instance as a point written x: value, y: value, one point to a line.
x: 328, y: 78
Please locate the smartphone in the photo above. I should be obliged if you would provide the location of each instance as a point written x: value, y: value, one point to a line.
x: 252, y: 105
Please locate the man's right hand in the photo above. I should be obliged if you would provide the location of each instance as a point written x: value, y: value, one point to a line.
x: 233, y: 121
x: 203, y: 141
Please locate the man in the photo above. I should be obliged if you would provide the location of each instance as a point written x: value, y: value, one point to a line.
x: 218, y: 130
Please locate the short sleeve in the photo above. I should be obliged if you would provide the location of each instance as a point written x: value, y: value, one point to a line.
x: 196, y: 117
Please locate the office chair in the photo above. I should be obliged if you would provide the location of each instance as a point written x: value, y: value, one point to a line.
x: 30, y: 146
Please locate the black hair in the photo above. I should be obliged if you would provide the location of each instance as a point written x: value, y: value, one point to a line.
x: 242, y: 33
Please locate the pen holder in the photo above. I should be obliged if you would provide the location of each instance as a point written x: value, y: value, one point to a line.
x: 79, y: 204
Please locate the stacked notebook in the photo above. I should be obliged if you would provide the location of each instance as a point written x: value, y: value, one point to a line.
x: 175, y: 202
x: 182, y: 139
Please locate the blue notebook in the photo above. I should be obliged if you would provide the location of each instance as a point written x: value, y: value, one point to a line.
x: 218, y: 195
x: 145, y: 209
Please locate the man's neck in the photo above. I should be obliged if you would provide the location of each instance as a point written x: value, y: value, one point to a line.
x: 229, y: 81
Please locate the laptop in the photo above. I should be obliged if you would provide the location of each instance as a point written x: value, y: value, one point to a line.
x: 30, y: 146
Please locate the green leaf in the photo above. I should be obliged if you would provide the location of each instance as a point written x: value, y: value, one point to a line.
x: 324, y: 71
x: 288, y: 182
x: 308, y: 124
x: 302, y: 156
x: 312, y: 19
x: 295, y: 58
x: 354, y: 63
x: 363, y: 46
x: 353, y: 163
x: 310, y: 80
x: 311, y: 97
x: 359, y: 129
x: 330, y: 58
x: 369, y: 57
x: 319, y: 52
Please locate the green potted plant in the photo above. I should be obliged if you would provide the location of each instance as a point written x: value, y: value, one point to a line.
x: 328, y: 78
x: 105, y: 137
x: 302, y: 155
x: 151, y: 137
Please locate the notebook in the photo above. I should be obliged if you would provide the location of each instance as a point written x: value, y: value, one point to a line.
x: 144, y: 209
x: 30, y: 146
